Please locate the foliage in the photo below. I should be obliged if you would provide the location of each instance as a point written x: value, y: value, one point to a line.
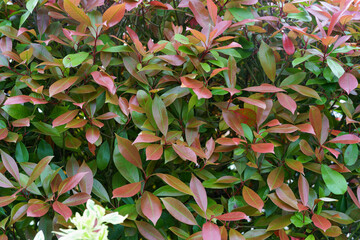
x: 197, y: 119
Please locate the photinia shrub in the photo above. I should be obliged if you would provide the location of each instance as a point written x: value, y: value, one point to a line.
x: 195, y: 119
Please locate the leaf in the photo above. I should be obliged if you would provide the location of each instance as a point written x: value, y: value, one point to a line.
x: 178, y: 210
x: 127, y: 190
x: 74, y: 60
x: 279, y: 223
x: 348, y: 82
x: 252, y: 198
x: 232, y: 216
x: 40, y: 167
x: 175, y: 60
x: 255, y: 102
x: 199, y: 193
x: 86, y: 183
x: 38, y: 209
x: 185, y: 153
x: 334, y: 181
x: 231, y: 71
x: 267, y: 60
x: 264, y: 88
x: 335, y: 67
x: 306, y: 91
x: 130, y: 65
x: 76, y: 13
x: 263, y: 147
x: 21, y: 153
x: 65, y: 118
x: 346, y: 139
x: 62, y: 209
x: 286, y: 195
x: 146, y: 138
x: 287, y: 102
x: 77, y: 199
x: 293, y: 79
x: 160, y: 115
x: 129, y: 152
x: 321, y: 222
x: 235, y: 235
x: 211, y: 231
x: 148, y: 231
x: 154, y: 152
x: 295, y: 165
x: 99, y: 190
x: 151, y: 206
x: 175, y: 183
x: 70, y: 182
x: 114, y: 14
x: 351, y: 154
x: 4, y: 182
x: 61, y: 85
x: 10, y: 165
x: 103, y: 156
x: 303, y: 186
x: 288, y: 45
x: 6, y: 200
x: 275, y: 178
x: 105, y: 80
x: 179, y: 232
x: 92, y: 134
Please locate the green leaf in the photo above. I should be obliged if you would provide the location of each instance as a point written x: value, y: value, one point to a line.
x: 160, y: 115
x: 296, y: 79
x: 31, y: 4
x: 99, y: 190
x: 21, y: 153
x: 299, y: 220
x: 103, y: 156
x: 17, y: 111
x: 267, y: 60
x: 126, y: 169
x: 299, y: 60
x: 44, y: 149
x: 351, y: 154
x: 73, y: 60
x: 335, y: 67
x: 247, y: 132
x: 334, y: 181
x: 46, y: 129
x: 181, y: 39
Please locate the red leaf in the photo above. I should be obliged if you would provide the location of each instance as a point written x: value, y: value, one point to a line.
x: 252, y: 198
x: 295, y: 165
x: 114, y: 14
x: 124, y: 105
x: 105, y: 80
x: 146, y: 138
x: 288, y: 45
x: 211, y: 231
x: 76, y: 123
x: 148, y: 231
x: 76, y: 13
x: 4, y: 182
x: 129, y: 152
x: 264, y: 88
x: 255, y: 102
x: 285, y: 194
x: 3, y: 133
x: 263, y: 147
x: 70, y: 182
x: 38, y: 209
x: 287, y: 102
x: 199, y: 193
x: 285, y: 128
x: 175, y: 60
x: 65, y: 118
x: 6, y: 200
x: 275, y: 178
x: 40, y: 167
x: 353, y: 197
x: 200, y: 13
x: 24, y: 122
x: 232, y: 216
x: 283, y: 235
x: 77, y: 199
x: 212, y: 10
x: 61, y: 85
x: 62, y: 209
x: 154, y: 152
x: 202, y: 92
x: 92, y: 134
x: 107, y: 116
x: 346, y: 139
x: 127, y: 190
x: 348, y: 82
x: 86, y: 183
x: 151, y: 206
x: 10, y: 165
x: 321, y: 222
x: 178, y: 210
x: 185, y: 153
x: 306, y: 128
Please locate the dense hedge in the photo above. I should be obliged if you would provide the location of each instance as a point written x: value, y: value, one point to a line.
x: 197, y: 119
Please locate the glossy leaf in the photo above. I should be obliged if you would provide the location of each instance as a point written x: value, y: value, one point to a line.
x: 252, y: 198
x: 178, y: 210
x: 151, y: 206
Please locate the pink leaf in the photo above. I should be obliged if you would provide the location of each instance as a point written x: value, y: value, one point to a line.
x: 199, y: 193
x: 185, y: 153
x: 10, y: 165
x: 62, y: 209
x: 92, y: 134
x: 175, y: 60
x: 71, y: 182
x: 287, y: 102
x: 263, y: 147
x: 211, y: 231
x: 264, y: 88
x: 346, y: 139
x: 105, y: 80
x: 232, y: 216
x: 348, y: 82
x: 288, y: 45
x: 321, y: 222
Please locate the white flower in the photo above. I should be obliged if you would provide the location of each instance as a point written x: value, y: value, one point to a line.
x: 91, y: 225
x: 39, y: 236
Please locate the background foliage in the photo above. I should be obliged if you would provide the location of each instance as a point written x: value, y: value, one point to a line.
x: 198, y: 119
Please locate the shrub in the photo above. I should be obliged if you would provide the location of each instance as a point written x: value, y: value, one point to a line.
x: 197, y: 119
